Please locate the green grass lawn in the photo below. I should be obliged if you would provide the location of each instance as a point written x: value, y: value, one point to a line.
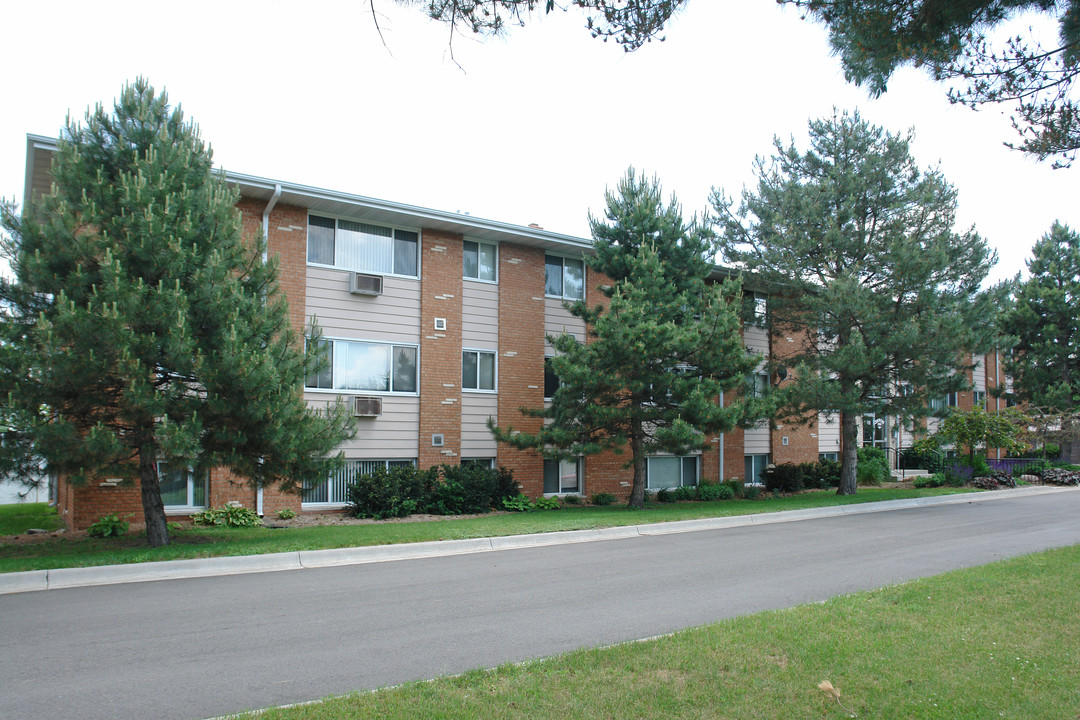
x: 196, y: 542
x: 997, y: 641
x: 20, y: 517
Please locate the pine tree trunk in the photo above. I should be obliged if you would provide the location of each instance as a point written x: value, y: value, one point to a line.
x: 157, y: 530
x: 849, y: 459
x: 637, y: 491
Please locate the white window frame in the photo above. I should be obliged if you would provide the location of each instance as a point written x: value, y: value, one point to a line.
x: 338, y: 390
x: 337, y: 486
x: 682, y: 469
x: 834, y: 456
x: 394, y: 232
x: 479, y: 244
x: 190, y: 492
x: 562, y: 259
x: 758, y: 307
x: 764, y: 458
x: 978, y: 398
x: 486, y: 462
x: 756, y: 379
x: 578, y: 472
x: 494, y: 370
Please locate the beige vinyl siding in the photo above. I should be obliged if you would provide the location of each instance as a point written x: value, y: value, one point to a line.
x: 756, y: 338
x: 479, y: 315
x: 756, y: 440
x: 390, y: 436
x: 476, y: 439
x: 558, y: 320
x: 393, y: 316
x: 828, y: 432
x: 978, y: 375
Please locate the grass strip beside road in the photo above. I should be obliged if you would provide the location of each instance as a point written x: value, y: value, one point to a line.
x: 997, y: 641
x: 200, y: 542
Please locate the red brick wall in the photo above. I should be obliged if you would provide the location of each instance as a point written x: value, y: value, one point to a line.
x: 802, y: 440
x: 440, y: 350
x: 521, y: 356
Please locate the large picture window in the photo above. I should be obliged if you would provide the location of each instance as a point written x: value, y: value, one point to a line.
x: 562, y: 476
x: 478, y: 261
x: 477, y: 370
x: 366, y: 366
x: 671, y: 472
x: 564, y: 277
x: 755, y: 465
x: 361, y: 247
x: 181, y: 487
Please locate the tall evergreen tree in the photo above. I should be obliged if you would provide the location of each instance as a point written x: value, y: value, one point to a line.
x: 857, y: 249
x: 659, y: 353
x: 141, y: 327
x: 1045, y: 320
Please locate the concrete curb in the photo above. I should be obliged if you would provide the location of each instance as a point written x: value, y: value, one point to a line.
x: 36, y: 580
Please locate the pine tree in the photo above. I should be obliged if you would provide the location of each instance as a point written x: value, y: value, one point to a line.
x: 661, y: 351
x: 141, y: 327
x: 1045, y: 320
x: 857, y: 249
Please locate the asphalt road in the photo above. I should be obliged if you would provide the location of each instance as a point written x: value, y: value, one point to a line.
x: 205, y: 647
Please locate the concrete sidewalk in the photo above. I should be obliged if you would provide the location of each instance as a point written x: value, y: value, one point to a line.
x: 60, y: 578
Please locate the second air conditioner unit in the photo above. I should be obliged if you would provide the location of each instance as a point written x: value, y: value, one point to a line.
x: 362, y: 284
x: 367, y: 406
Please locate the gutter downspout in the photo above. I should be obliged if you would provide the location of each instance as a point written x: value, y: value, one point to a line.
x: 265, y: 257
x: 721, y: 442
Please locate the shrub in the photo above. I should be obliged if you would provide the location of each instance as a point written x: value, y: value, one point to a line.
x: 665, y: 496
x: 518, y: 503
x: 602, y: 499
x: 108, y: 526
x: 547, y: 503
x: 958, y: 473
x: 736, y: 486
x: 228, y: 515
x: 751, y: 492
x: 505, y: 485
x: 387, y: 492
x: 708, y: 491
x: 685, y: 492
x: 571, y: 499
x: 460, y: 489
x: 724, y: 492
x: 821, y: 474
x: 286, y: 514
x: 929, y: 481
x: 785, y: 477
x: 872, y: 467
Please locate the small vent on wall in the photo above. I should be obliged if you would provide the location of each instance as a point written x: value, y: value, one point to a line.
x: 361, y: 284
x: 438, y: 440
x: 367, y: 406
x: 440, y: 323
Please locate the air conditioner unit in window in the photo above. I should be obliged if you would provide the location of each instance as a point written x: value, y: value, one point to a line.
x: 361, y: 284
x: 367, y: 406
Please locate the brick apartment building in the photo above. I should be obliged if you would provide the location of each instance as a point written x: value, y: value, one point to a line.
x: 434, y: 322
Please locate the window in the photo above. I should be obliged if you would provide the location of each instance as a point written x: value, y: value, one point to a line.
x: 835, y: 457
x: 755, y: 308
x: 952, y: 399
x: 979, y: 399
x: 562, y: 476
x: 551, y: 380
x: 180, y: 488
x: 757, y: 384
x: 671, y: 472
x: 564, y: 277
x: 874, y: 431
x: 335, y: 489
x: 366, y: 366
x: 478, y: 261
x: 937, y: 404
x: 361, y: 247
x: 755, y: 465
x: 477, y: 370
x: 488, y: 463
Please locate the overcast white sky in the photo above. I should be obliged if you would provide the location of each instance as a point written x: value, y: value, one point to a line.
x: 530, y: 128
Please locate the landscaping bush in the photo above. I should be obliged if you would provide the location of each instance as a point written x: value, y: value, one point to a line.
x: 929, y: 481
x: 387, y: 492
x: 228, y: 515
x: 751, y: 492
x: 708, y: 491
x: 547, y: 503
x: 108, y: 526
x: 821, y: 474
x: 571, y: 499
x: 518, y: 503
x: 1060, y: 476
x: 958, y: 473
x: 785, y: 477
x: 725, y: 492
x: 685, y: 492
x: 602, y: 499
x: 461, y: 489
x: 736, y: 486
x: 286, y: 514
x: 873, y: 467
x: 665, y: 496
